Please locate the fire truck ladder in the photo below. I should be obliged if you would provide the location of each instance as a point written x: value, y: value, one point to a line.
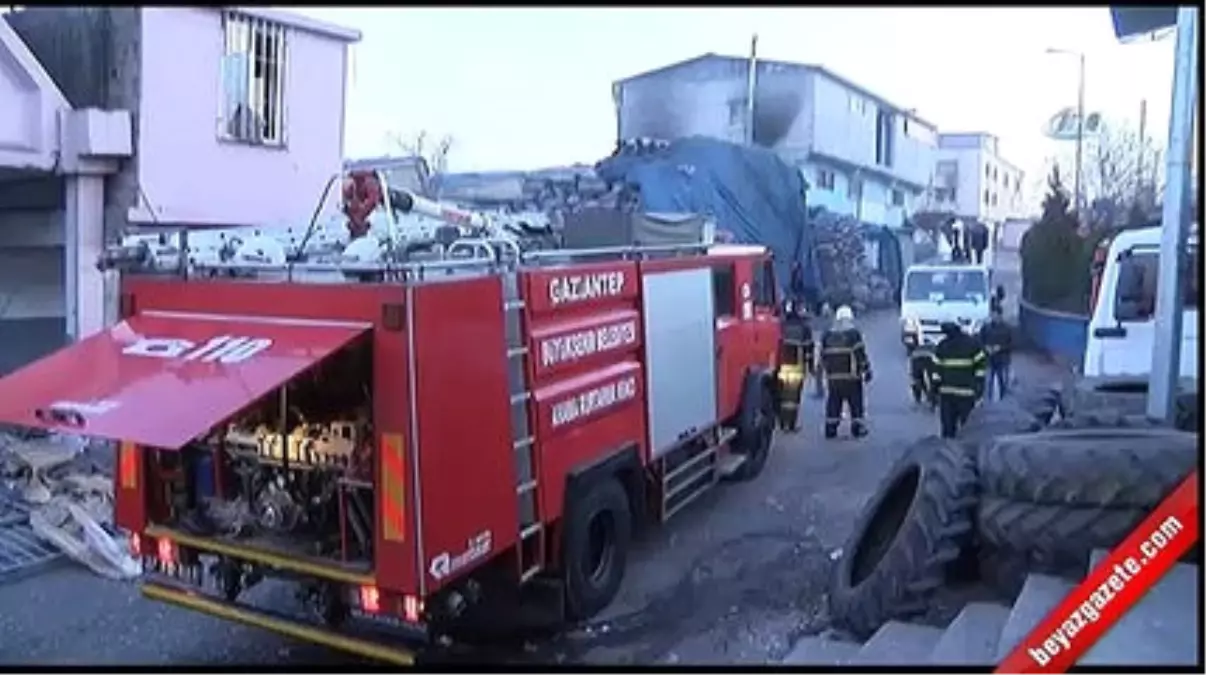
x: 530, y: 549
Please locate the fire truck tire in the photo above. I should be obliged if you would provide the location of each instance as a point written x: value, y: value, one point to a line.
x: 907, y: 539
x: 755, y: 425
x: 598, y: 532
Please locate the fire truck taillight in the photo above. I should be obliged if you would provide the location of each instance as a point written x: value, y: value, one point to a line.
x: 166, y: 550
x: 412, y: 609
x: 370, y: 599
x: 128, y: 465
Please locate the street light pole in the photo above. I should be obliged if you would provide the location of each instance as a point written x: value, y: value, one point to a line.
x: 1080, y: 125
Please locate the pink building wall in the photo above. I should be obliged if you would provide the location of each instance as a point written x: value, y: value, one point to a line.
x: 186, y: 173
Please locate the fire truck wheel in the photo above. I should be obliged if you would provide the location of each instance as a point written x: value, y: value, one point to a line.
x: 598, y: 528
x: 907, y: 539
x: 755, y: 426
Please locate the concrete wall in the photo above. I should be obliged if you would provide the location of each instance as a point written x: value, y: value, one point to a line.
x: 190, y: 176
x: 844, y: 123
x: 29, y: 107
x: 809, y: 117
x: 708, y: 97
x: 163, y: 64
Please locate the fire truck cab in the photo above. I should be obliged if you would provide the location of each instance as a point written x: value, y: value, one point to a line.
x: 401, y: 439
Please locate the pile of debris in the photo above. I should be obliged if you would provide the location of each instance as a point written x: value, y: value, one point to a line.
x: 847, y: 276
x: 68, y: 498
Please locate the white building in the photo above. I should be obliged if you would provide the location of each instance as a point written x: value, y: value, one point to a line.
x: 973, y: 181
x: 862, y: 155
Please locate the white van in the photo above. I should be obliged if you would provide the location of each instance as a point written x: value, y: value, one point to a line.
x: 1122, y: 327
x: 933, y: 294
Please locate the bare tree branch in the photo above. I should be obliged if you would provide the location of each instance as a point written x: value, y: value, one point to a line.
x: 435, y: 153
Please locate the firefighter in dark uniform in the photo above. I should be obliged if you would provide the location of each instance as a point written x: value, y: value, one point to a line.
x: 921, y: 368
x: 795, y: 362
x: 959, y: 366
x: 844, y: 362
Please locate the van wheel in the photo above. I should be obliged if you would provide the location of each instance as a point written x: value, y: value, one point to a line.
x: 598, y: 531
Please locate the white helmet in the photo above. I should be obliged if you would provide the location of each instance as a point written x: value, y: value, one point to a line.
x: 844, y: 313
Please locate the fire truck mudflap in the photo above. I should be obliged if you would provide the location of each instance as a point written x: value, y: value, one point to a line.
x: 155, y: 383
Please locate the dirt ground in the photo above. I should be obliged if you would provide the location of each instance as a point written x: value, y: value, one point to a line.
x: 735, y: 579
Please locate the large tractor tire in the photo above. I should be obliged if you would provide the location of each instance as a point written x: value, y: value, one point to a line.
x: 598, y: 532
x: 998, y: 418
x: 1049, y: 499
x: 907, y: 538
x: 756, y: 423
x: 1129, y: 398
x: 1115, y: 467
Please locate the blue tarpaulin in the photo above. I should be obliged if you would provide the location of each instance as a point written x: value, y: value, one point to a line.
x: 749, y: 191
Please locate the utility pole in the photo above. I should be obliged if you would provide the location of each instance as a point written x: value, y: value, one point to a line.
x: 1163, y: 385
x: 752, y: 85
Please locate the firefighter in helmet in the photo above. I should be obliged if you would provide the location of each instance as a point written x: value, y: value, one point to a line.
x: 795, y: 358
x: 959, y: 367
x: 844, y: 362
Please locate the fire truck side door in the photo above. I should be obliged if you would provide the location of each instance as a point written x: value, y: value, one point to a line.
x: 730, y: 358
x: 766, y: 327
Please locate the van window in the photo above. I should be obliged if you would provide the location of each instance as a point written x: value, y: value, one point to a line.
x: 1138, y: 273
x: 967, y: 285
x: 722, y: 290
x: 764, y: 284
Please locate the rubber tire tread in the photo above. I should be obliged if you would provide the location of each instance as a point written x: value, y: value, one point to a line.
x: 990, y: 419
x: 1053, y: 537
x: 934, y: 532
x: 582, y: 599
x: 1096, y: 468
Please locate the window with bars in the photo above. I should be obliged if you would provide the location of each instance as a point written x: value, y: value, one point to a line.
x: 253, y: 80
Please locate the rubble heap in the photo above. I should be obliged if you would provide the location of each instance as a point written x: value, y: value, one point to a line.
x: 847, y: 276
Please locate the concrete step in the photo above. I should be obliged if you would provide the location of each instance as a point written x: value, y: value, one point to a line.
x: 1162, y: 629
x: 971, y: 639
x: 1040, y: 594
x: 897, y: 643
x: 815, y: 650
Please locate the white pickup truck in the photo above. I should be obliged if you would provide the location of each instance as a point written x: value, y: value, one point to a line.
x: 935, y: 293
x: 1122, y: 327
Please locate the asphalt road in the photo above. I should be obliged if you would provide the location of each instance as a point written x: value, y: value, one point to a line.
x: 736, y: 578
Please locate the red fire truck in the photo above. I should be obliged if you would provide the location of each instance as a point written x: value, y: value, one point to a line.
x: 402, y: 438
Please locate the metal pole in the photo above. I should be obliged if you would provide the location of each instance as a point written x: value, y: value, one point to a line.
x: 1166, y: 347
x: 1139, y: 153
x: 752, y: 83
x: 1080, y: 136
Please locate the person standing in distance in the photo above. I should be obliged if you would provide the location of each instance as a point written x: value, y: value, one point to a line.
x: 958, y: 372
x: 844, y: 362
x: 997, y: 338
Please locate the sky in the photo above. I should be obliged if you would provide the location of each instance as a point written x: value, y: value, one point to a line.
x: 525, y: 88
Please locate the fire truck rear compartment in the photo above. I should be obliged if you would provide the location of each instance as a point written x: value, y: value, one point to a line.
x: 291, y: 474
